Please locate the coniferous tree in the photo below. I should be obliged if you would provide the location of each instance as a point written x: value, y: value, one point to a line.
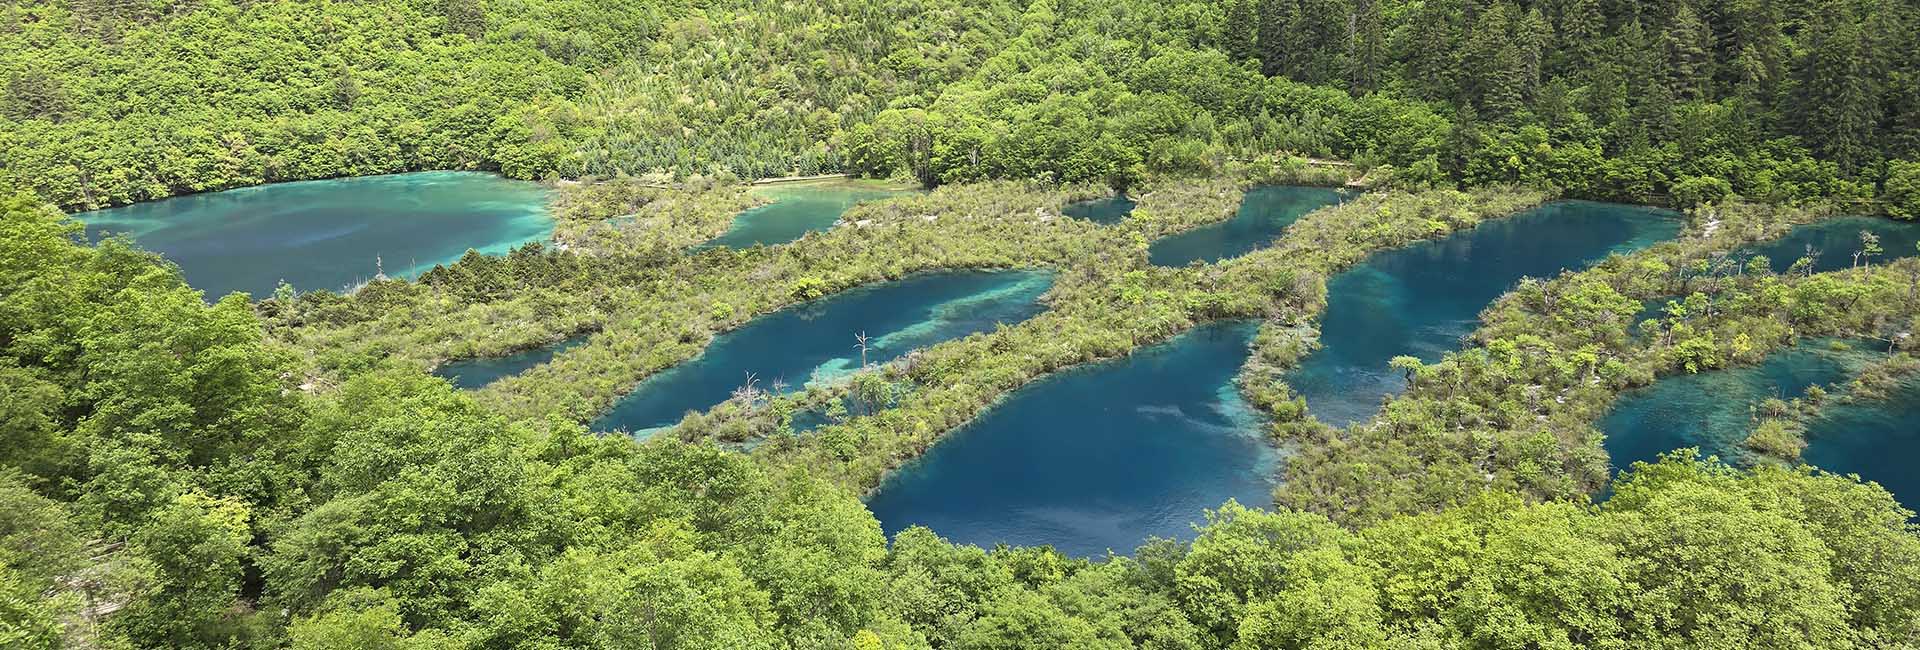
x: 1242, y: 30
x: 1368, y: 47
x: 1836, y: 99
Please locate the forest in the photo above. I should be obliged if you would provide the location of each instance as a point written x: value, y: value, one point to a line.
x: 284, y: 470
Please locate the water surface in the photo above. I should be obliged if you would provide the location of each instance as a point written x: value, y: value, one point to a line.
x: 328, y: 234
x: 473, y: 373
x: 1104, y: 211
x: 1712, y: 410
x: 1422, y: 300
x: 796, y: 210
x: 1879, y: 440
x: 1097, y: 457
x: 1264, y: 213
x: 816, y: 341
x: 1834, y: 241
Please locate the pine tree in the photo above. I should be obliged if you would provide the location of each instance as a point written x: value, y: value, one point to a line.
x: 1242, y: 30
x: 1276, y: 20
x: 1689, y: 47
x: 1836, y: 103
x: 1368, y: 47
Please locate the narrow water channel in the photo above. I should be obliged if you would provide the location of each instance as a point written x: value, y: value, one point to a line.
x: 468, y: 374
x: 816, y: 341
x: 1264, y: 213
x: 797, y: 209
x: 1423, y: 300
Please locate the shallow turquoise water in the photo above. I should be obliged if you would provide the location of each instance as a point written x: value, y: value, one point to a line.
x: 1422, y: 300
x: 795, y: 211
x: 327, y: 234
x: 1264, y: 213
x: 1105, y: 211
x: 1835, y: 240
x: 815, y: 341
x: 1879, y: 440
x: 1097, y: 457
x: 1710, y: 410
x: 473, y: 373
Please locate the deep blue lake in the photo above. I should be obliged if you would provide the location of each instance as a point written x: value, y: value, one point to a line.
x: 1423, y: 299
x: 1835, y: 240
x: 1879, y: 440
x: 796, y: 210
x: 468, y: 374
x: 1709, y: 410
x: 1264, y: 213
x: 327, y: 234
x: 1097, y: 457
x: 815, y: 341
x: 1105, y: 211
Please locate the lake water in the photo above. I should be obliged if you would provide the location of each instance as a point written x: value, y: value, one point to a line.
x: 1835, y: 241
x: 1879, y: 440
x: 468, y: 374
x: 1264, y: 213
x: 1097, y: 457
x: 1710, y: 410
x: 1422, y: 300
x: 327, y: 234
x: 795, y: 211
x: 1105, y: 211
x: 815, y: 341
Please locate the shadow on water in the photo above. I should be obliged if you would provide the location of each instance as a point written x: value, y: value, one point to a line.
x: 815, y: 341
x: 1104, y: 211
x: 1422, y: 300
x: 327, y: 234
x: 1097, y: 457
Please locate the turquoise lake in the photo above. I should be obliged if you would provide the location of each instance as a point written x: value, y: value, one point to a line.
x: 1710, y: 410
x: 1264, y: 213
x: 327, y: 234
x: 468, y: 374
x: 1422, y: 300
x: 1879, y: 440
x: 1097, y: 457
x: 795, y: 211
x: 814, y: 341
x: 1106, y: 211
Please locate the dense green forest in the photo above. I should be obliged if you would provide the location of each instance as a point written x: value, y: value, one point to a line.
x: 1683, y: 100
x: 188, y: 471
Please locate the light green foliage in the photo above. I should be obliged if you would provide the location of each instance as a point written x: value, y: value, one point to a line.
x: 193, y: 551
x: 1902, y: 191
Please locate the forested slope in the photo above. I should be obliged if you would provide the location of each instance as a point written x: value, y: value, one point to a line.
x: 112, y: 102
